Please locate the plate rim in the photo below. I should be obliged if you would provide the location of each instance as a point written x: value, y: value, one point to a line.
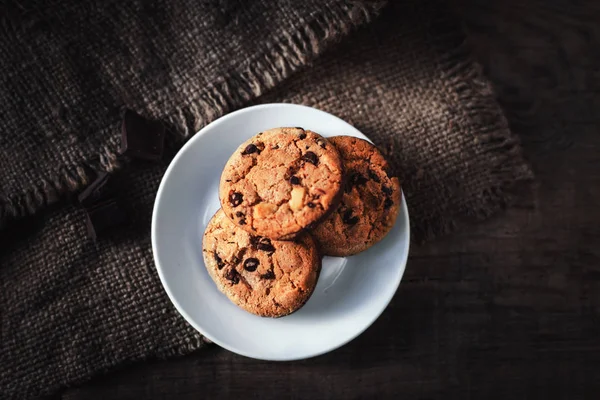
x: 171, y: 296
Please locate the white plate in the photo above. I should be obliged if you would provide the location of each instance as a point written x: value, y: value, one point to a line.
x: 351, y: 292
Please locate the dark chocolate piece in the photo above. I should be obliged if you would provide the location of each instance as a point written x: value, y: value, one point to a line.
x: 268, y: 275
x: 104, y: 216
x: 236, y: 199
x: 251, y: 264
x: 251, y: 148
x: 96, y: 191
x: 310, y: 157
x: 374, y: 176
x: 220, y: 263
x: 233, y: 276
x: 142, y: 138
x: 265, y: 245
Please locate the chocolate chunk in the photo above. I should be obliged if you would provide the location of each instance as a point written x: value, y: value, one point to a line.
x: 142, y: 138
x: 96, y: 191
x: 386, y: 190
x: 321, y: 142
x: 251, y: 264
x: 310, y: 157
x: 239, y: 214
x: 220, y: 263
x: 242, y: 221
x: 356, y: 179
x: 348, y: 219
x: 268, y: 275
x: 233, y: 276
x: 251, y: 148
x: 254, y: 240
x: 311, y: 205
x: 387, y: 203
x: 374, y: 176
x: 265, y: 245
x: 236, y: 199
x: 103, y: 216
x: 302, y: 135
x: 294, y: 180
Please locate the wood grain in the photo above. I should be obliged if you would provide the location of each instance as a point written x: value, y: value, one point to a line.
x: 508, y: 309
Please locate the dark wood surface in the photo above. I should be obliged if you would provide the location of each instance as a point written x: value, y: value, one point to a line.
x: 507, y: 309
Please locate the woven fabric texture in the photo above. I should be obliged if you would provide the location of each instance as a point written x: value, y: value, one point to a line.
x: 71, y: 308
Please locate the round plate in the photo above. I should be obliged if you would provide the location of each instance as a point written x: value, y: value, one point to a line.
x: 351, y: 292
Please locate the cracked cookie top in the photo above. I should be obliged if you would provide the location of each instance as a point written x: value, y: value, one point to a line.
x: 280, y: 182
x: 270, y: 278
x: 369, y: 205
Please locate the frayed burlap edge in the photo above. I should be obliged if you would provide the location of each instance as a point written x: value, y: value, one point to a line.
x: 290, y: 51
x: 466, y: 84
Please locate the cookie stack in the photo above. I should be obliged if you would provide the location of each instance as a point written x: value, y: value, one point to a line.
x: 289, y: 196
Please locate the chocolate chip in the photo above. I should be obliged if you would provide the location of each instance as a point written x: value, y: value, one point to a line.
x: 294, y: 180
x: 274, y: 147
x: 348, y: 219
x: 310, y: 157
x: 236, y: 199
x: 251, y: 148
x: 302, y: 135
x: 254, y: 240
x: 352, y: 220
x: 311, y: 205
x: 104, y: 216
x: 268, y: 275
x: 233, y: 276
x: 142, y: 138
x: 220, y: 263
x: 356, y: 179
x: 374, y: 176
x: 320, y: 142
x: 386, y: 190
x: 387, y: 203
x: 265, y: 245
x: 239, y: 214
x: 251, y: 264
x: 242, y: 221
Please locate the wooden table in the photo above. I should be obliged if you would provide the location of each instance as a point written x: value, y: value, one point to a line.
x: 508, y: 309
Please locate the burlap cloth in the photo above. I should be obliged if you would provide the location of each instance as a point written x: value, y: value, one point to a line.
x: 71, y: 308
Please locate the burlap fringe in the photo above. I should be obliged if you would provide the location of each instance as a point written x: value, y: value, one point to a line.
x: 290, y: 52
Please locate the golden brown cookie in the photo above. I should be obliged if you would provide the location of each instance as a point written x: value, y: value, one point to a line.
x: 369, y: 205
x: 270, y: 278
x: 281, y: 181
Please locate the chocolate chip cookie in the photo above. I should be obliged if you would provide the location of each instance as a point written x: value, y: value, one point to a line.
x: 280, y: 182
x: 369, y: 205
x: 270, y: 278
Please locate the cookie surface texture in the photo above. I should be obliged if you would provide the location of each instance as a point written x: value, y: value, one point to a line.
x: 270, y: 278
x: 280, y: 182
x: 370, y: 203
